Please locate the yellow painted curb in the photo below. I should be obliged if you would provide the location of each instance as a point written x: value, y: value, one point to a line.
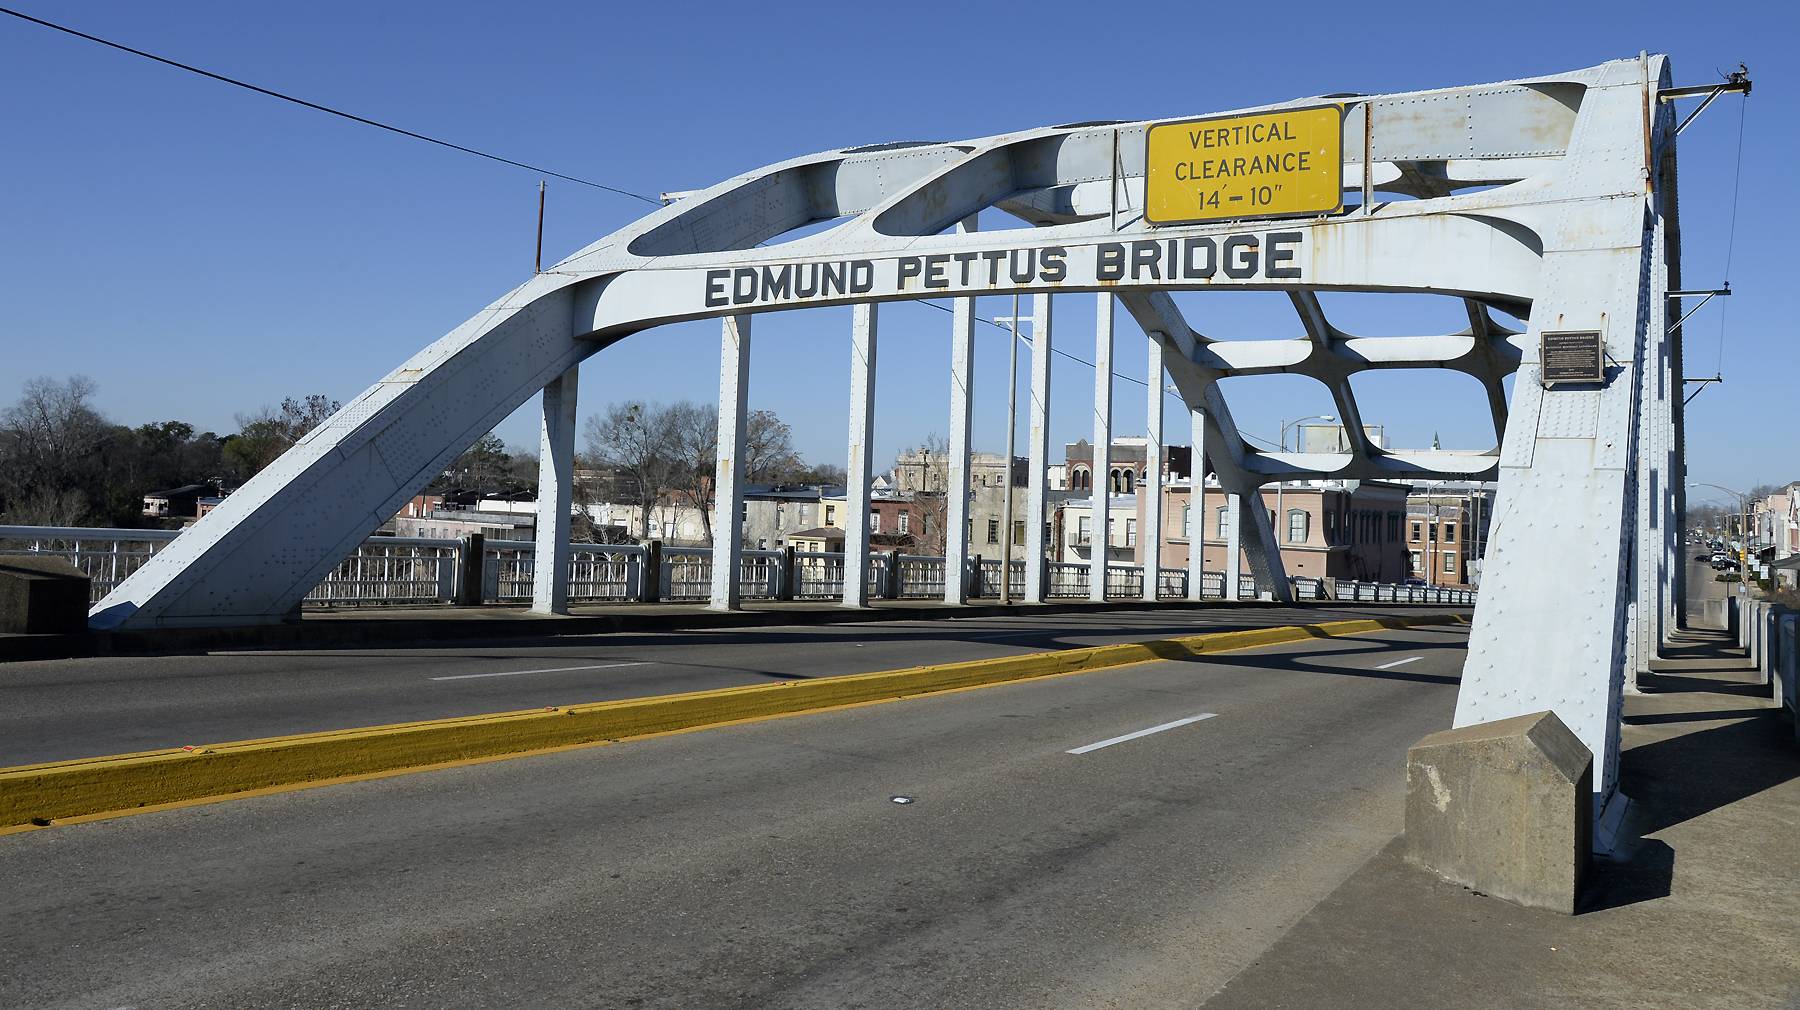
x: 36, y: 794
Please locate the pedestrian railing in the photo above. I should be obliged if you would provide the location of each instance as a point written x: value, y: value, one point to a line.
x: 1387, y: 592
x: 388, y: 571
x: 392, y: 572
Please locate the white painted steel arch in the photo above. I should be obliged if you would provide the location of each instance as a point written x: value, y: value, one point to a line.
x: 1532, y: 197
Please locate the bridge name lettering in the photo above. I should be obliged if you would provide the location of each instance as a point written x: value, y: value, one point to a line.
x: 1242, y: 257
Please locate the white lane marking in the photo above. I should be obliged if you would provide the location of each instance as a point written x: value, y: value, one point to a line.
x: 1177, y: 724
x: 558, y: 669
x: 1399, y: 662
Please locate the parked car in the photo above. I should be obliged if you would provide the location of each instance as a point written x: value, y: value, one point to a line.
x: 1415, y: 581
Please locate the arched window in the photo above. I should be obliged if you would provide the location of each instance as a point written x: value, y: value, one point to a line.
x: 1127, y: 478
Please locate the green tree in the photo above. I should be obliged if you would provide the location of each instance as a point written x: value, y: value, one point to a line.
x: 262, y: 437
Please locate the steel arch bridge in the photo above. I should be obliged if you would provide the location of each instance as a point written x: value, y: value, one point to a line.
x: 1547, y: 199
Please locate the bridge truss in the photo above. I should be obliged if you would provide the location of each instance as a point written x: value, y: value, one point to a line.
x: 1549, y: 200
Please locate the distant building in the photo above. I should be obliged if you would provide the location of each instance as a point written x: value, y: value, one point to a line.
x: 1316, y: 437
x: 1077, y: 539
x: 1446, y: 532
x: 177, y: 503
x: 820, y: 540
x: 1324, y: 528
x: 1125, y: 465
x: 456, y: 523
x: 773, y: 513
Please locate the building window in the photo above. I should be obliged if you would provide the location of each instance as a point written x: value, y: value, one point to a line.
x: 1432, y: 531
x: 830, y: 514
x: 1418, y: 564
x: 745, y: 517
x: 1128, y: 477
x: 1084, y: 530
x: 1449, y: 533
x: 1296, y: 526
x: 1331, y: 527
x: 1222, y: 511
x: 1131, y: 532
x: 1449, y: 562
x: 1393, y: 526
x: 905, y: 521
x: 803, y: 515
x: 874, y: 522
x: 762, y: 543
x: 1018, y: 532
x: 993, y: 531
x: 1187, y: 521
x: 1415, y: 533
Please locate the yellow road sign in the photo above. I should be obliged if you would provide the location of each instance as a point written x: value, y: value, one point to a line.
x: 1263, y: 164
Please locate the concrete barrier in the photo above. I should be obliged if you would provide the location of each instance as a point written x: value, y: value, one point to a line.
x: 42, y: 595
x: 1788, y: 666
x: 1504, y: 807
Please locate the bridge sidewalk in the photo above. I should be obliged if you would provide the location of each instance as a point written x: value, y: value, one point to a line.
x: 1700, y: 908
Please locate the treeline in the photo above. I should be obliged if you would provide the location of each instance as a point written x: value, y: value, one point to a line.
x: 63, y: 463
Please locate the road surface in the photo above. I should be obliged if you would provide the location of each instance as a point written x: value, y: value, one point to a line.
x: 73, y: 708
x: 1051, y: 853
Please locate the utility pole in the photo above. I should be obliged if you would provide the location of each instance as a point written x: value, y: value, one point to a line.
x: 1012, y: 424
x: 538, y: 262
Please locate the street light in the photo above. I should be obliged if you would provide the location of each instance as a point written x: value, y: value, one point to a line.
x: 1280, y: 516
x: 1743, y: 510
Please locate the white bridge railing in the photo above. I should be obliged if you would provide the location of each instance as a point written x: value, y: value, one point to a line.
x: 392, y: 571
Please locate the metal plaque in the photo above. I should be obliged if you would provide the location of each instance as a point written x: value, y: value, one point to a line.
x: 1572, y: 356
x: 1263, y: 164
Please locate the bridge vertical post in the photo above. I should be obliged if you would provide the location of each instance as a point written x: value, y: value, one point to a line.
x: 1150, y: 536
x: 728, y: 484
x: 556, y: 495
x: 962, y: 399
x: 1038, y: 449
x: 1196, y: 524
x: 1564, y: 523
x: 1653, y: 526
x: 1234, y: 540
x: 862, y: 430
x: 471, y: 570
x: 1101, y: 486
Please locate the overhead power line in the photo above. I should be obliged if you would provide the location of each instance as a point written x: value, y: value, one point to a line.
x: 1078, y: 360
x: 328, y: 110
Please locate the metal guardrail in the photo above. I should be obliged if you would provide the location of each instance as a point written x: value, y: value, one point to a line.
x: 388, y: 571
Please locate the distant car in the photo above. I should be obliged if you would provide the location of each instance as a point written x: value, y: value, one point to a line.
x: 1703, y: 556
x: 1413, y: 582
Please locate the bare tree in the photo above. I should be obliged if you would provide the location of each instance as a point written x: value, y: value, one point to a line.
x: 929, y: 485
x: 695, y: 432
x: 638, y: 438
x: 55, y: 452
x: 768, y: 447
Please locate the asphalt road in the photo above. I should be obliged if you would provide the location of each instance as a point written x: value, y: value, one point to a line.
x: 75, y: 708
x: 766, y: 864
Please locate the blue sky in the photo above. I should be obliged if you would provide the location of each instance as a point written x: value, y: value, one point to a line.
x: 202, y: 251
